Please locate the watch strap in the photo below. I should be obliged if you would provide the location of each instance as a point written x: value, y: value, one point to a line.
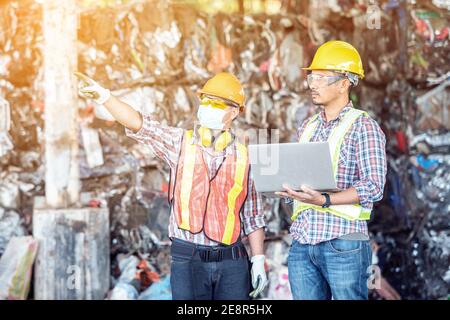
x: 327, y: 200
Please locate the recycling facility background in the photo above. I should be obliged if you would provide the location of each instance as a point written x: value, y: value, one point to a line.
x: 156, y: 54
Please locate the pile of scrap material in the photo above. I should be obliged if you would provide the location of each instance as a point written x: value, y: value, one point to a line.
x: 141, y: 276
x: 156, y: 55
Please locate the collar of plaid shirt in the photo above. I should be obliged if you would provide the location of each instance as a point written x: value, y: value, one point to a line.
x: 323, y: 118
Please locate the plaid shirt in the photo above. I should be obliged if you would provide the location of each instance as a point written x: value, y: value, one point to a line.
x: 165, y: 142
x: 362, y: 165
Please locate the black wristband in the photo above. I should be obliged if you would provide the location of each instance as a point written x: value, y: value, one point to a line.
x: 327, y: 200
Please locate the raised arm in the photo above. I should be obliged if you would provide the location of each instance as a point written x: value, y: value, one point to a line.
x: 121, y: 111
x: 163, y: 140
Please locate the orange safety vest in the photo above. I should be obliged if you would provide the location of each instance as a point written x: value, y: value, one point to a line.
x: 209, y: 204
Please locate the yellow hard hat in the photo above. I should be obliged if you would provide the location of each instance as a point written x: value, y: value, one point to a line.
x: 337, y: 56
x: 226, y: 86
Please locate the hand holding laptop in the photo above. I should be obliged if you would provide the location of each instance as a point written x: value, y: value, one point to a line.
x: 305, y: 194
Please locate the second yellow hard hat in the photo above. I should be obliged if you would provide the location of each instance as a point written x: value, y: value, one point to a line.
x: 337, y: 56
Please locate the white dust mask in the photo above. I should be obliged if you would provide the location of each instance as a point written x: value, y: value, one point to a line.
x: 210, y: 117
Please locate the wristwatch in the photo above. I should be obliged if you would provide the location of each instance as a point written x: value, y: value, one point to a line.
x: 327, y: 200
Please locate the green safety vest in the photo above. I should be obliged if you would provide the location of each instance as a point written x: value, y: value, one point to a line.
x: 335, y: 140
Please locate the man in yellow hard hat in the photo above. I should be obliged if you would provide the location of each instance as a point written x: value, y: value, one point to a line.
x: 213, y: 201
x: 330, y: 255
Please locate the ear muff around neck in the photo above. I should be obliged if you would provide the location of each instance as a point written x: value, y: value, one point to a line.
x: 223, y: 141
x: 220, y: 143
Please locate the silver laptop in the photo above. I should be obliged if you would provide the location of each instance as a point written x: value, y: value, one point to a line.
x: 294, y: 164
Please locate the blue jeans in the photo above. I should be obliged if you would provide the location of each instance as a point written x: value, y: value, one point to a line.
x: 193, y: 279
x: 335, y: 269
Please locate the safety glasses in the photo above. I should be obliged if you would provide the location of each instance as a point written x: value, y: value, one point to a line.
x: 216, y: 103
x: 321, y: 80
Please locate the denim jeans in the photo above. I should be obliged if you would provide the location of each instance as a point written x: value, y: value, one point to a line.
x: 193, y: 279
x: 335, y: 269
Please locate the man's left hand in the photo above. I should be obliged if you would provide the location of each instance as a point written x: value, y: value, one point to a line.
x: 306, y: 195
x: 259, y: 276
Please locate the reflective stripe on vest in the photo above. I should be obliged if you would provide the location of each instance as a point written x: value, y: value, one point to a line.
x: 335, y: 140
x: 234, y: 192
x: 186, y: 181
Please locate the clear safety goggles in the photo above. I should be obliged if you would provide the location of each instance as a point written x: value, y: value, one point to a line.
x: 322, y: 81
x: 216, y: 103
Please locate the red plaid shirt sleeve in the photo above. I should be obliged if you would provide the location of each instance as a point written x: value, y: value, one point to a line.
x: 371, y: 162
x: 163, y: 140
x: 253, y: 214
